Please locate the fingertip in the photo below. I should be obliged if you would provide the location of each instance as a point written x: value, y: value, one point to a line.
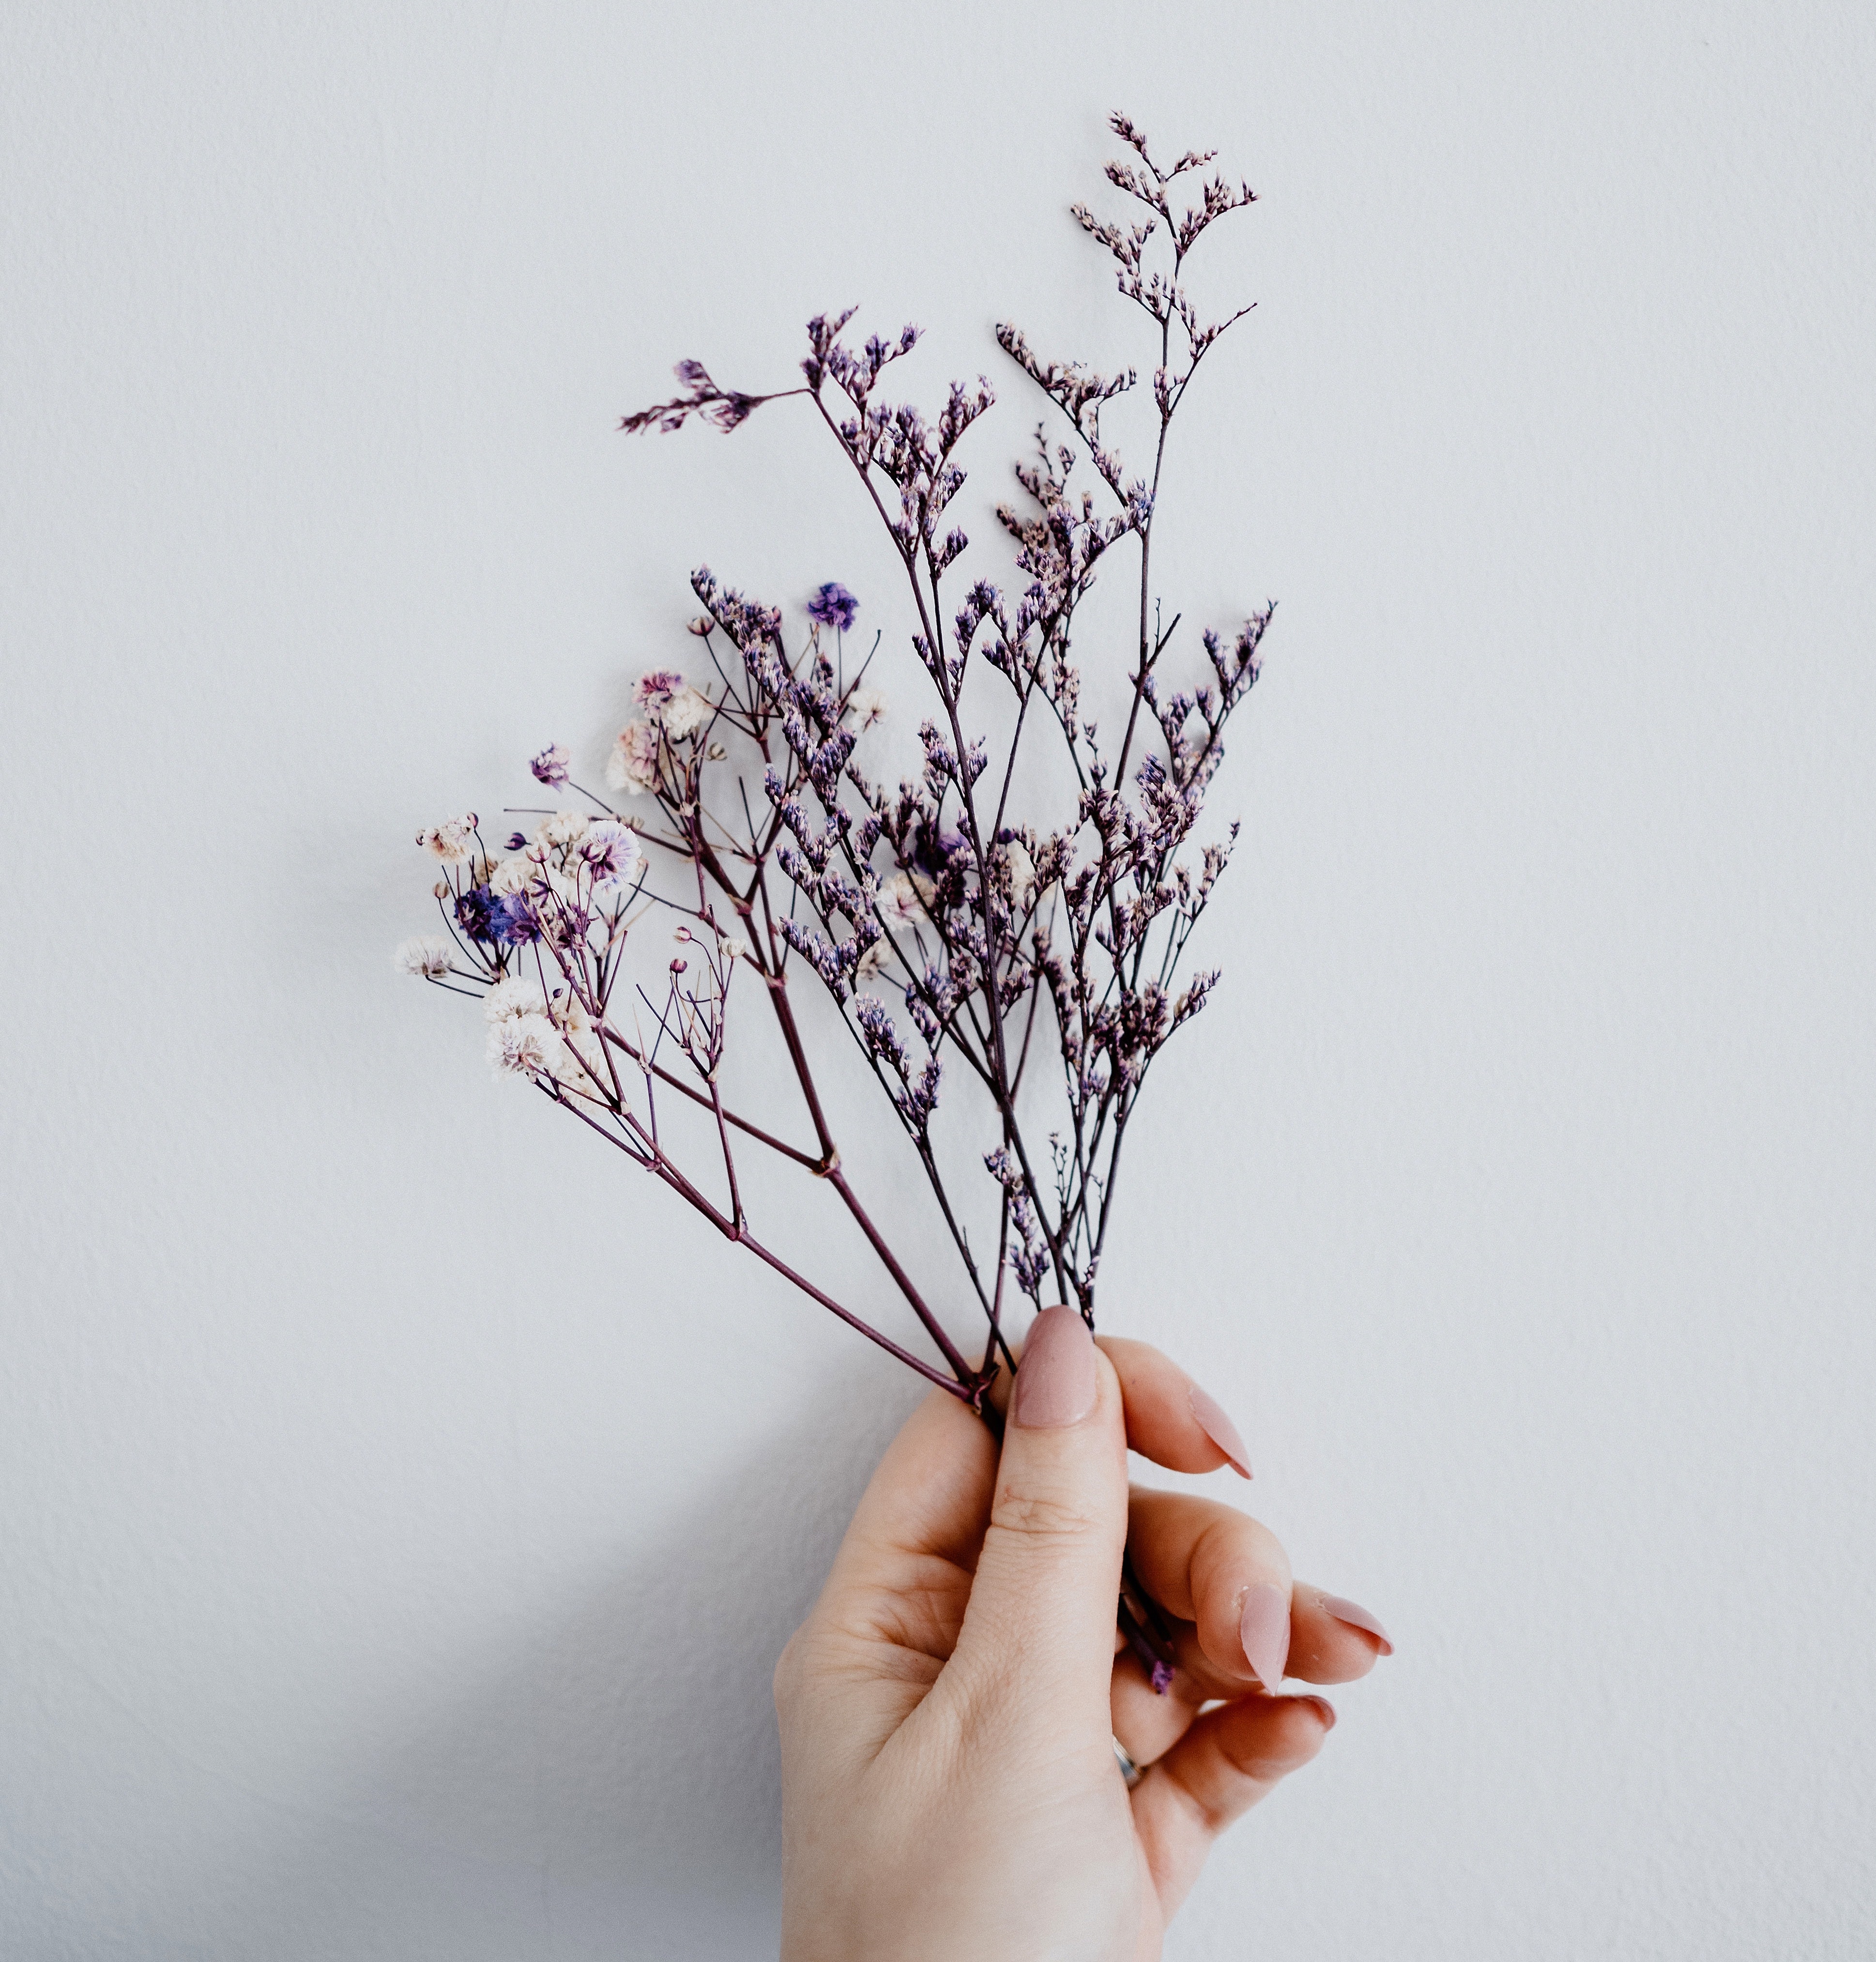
x: 1059, y: 1381
x: 1353, y: 1614
x: 1212, y: 1420
x: 1286, y: 1734
x: 1323, y: 1708
x: 1170, y: 1419
x: 1333, y: 1640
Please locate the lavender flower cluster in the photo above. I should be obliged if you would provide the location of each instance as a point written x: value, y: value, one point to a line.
x: 962, y: 936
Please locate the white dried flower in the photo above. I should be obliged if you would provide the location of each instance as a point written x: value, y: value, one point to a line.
x: 512, y: 875
x: 868, y: 706
x: 523, y: 1046
x: 899, y: 902
x: 452, y: 842
x: 565, y: 1012
x: 1022, y: 873
x: 509, y: 1000
x: 425, y: 958
x: 563, y: 827
x: 687, y: 711
x: 733, y: 947
x: 633, y: 765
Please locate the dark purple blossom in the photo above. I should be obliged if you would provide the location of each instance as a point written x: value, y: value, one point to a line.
x: 477, y: 910
x: 833, y: 606
x: 513, y: 921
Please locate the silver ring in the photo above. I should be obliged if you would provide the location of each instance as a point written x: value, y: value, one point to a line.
x: 1130, y: 1770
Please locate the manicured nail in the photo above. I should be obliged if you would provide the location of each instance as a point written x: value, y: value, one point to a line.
x: 1220, y: 1430
x: 1055, y: 1381
x: 1324, y: 1709
x: 1264, y: 1628
x: 1356, y: 1616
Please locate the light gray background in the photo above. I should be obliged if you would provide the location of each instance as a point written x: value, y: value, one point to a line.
x: 404, y: 1505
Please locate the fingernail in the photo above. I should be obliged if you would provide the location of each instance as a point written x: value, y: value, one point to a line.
x: 1264, y: 1628
x: 1324, y: 1709
x: 1356, y: 1616
x: 1055, y: 1383
x: 1220, y: 1430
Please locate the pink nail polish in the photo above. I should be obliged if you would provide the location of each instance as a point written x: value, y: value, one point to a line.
x: 1264, y: 1628
x: 1324, y: 1709
x: 1056, y: 1380
x: 1356, y: 1616
x: 1220, y: 1428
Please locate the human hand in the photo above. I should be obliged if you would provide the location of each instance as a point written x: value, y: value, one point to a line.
x: 950, y: 1791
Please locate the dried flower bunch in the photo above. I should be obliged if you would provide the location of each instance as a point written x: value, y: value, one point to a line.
x: 963, y: 929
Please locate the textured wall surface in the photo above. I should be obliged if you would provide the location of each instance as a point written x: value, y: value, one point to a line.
x: 403, y: 1505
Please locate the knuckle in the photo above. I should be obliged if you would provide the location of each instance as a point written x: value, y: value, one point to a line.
x: 1044, y: 1517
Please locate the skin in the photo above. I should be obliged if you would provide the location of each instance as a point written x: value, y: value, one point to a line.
x: 949, y: 1792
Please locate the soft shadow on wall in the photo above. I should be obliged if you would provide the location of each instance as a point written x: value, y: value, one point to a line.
x: 612, y: 1790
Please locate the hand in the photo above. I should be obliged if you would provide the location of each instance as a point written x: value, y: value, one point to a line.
x: 949, y: 1790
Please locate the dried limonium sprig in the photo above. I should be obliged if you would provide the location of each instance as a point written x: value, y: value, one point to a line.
x: 961, y: 936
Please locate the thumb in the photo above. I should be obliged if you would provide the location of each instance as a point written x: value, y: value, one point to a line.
x: 1038, y: 1636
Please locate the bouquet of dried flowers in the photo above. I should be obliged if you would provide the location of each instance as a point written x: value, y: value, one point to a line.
x: 964, y: 925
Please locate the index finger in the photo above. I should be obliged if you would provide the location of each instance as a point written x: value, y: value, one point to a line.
x: 1169, y: 1418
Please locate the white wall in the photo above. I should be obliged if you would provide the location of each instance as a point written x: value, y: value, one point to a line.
x: 403, y: 1505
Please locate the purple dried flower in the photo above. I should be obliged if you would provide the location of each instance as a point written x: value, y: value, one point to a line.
x: 1089, y: 912
x: 833, y: 606
x: 550, y: 767
x: 476, y: 912
x: 513, y: 921
x: 658, y: 688
x: 611, y: 850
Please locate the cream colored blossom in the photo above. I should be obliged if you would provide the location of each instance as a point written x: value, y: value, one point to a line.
x: 686, y: 712
x: 508, y: 1000
x: 1022, y: 873
x: 899, y: 902
x: 452, y: 842
x: 523, y: 1046
x: 424, y: 958
x: 634, y: 764
x: 511, y: 874
x: 565, y: 1012
x: 866, y: 706
x: 562, y: 828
